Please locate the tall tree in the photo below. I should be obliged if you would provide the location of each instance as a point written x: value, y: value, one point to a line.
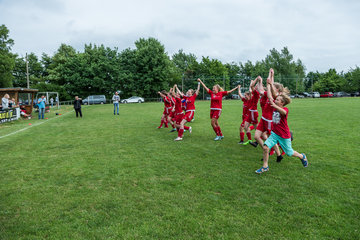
x: 7, y: 59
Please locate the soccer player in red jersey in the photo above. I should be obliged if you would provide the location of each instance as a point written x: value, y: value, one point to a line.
x: 263, y: 130
x: 245, y: 113
x: 216, y: 106
x: 167, y: 108
x: 280, y: 132
x: 252, y: 118
x: 190, y: 98
x: 178, y: 113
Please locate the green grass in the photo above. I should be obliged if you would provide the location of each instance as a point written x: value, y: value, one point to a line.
x: 118, y: 177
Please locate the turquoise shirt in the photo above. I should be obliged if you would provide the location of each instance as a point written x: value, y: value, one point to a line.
x: 42, y: 103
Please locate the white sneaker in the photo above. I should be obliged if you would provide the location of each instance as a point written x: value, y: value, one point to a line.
x: 190, y: 130
x: 178, y: 139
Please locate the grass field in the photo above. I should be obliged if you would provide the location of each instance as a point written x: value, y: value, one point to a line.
x: 118, y: 177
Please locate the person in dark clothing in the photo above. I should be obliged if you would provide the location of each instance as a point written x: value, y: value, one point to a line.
x: 77, y: 106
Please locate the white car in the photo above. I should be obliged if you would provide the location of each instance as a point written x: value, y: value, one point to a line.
x: 315, y: 94
x: 133, y: 99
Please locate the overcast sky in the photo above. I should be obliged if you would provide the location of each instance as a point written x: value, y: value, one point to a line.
x: 322, y: 33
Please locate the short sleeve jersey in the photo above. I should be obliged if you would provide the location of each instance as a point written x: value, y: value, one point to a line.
x: 178, y: 108
x: 167, y: 102
x: 190, y: 102
x: 267, y: 109
x: 280, y: 125
x: 255, y: 95
x: 245, y: 106
x: 216, y: 99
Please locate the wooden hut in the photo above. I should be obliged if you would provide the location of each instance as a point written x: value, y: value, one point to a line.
x: 22, y: 96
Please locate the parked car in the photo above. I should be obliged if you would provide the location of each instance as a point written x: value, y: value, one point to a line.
x: 341, y: 94
x: 133, y: 99
x: 235, y: 96
x: 94, y: 99
x: 327, y: 94
x: 315, y: 94
x: 306, y: 94
x: 299, y: 96
x: 292, y: 96
x: 355, y: 94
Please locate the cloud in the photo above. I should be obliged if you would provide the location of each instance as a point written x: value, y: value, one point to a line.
x: 323, y: 34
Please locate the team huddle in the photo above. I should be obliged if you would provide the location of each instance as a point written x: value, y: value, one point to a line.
x: 272, y: 131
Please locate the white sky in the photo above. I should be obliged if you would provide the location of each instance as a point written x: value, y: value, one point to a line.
x: 322, y: 33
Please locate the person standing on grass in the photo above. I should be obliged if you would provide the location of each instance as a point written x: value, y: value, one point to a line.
x: 41, y: 104
x: 245, y: 99
x: 280, y: 132
x: 167, y: 108
x: 116, y: 100
x: 190, y: 98
x: 252, y: 118
x: 178, y: 113
x: 77, y: 106
x: 216, y: 106
x: 52, y: 102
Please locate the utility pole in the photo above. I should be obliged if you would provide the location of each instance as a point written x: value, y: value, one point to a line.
x: 27, y: 72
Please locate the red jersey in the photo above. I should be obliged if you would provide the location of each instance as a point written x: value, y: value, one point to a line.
x: 167, y: 102
x: 267, y: 109
x: 190, y: 102
x: 216, y: 99
x: 255, y: 95
x: 178, y: 108
x: 245, y: 106
x: 280, y: 126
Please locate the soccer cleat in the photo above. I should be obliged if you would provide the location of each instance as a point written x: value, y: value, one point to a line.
x: 178, y: 139
x: 261, y: 170
x: 304, y: 160
x: 159, y: 127
x: 247, y: 142
x: 221, y: 137
x: 173, y: 130
x: 190, y: 130
x: 279, y: 158
x: 241, y: 142
x: 217, y: 138
x: 254, y: 144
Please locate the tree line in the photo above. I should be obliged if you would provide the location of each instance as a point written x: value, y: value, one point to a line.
x: 148, y: 68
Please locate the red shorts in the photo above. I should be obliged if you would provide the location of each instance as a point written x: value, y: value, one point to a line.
x: 243, y: 120
x: 215, y: 114
x: 252, y: 118
x: 179, y: 117
x: 264, y: 126
x: 189, y: 115
x: 171, y: 114
x: 167, y: 111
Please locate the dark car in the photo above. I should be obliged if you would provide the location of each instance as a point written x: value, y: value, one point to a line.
x: 94, y: 99
x: 355, y: 94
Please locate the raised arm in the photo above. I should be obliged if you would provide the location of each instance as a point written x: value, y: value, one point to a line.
x: 239, y: 88
x: 199, y: 80
x: 198, y: 89
x: 252, y: 84
x: 279, y: 109
x: 228, y: 92
x: 161, y: 95
x: 261, y: 87
x: 178, y: 91
x: 268, y: 89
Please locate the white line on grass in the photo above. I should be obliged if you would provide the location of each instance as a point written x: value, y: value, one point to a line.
x: 36, y: 124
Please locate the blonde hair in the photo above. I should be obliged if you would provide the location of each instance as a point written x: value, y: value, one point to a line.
x: 281, y: 88
x: 6, y: 95
x: 219, y: 88
x: 285, y: 99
